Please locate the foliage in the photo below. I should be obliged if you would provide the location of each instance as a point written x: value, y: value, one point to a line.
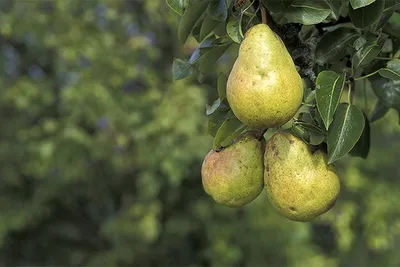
x: 100, y: 152
x: 346, y: 41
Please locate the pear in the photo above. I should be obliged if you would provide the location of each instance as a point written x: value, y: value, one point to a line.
x: 264, y: 89
x: 234, y: 176
x: 300, y: 183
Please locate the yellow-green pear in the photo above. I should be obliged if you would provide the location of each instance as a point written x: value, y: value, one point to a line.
x: 264, y: 89
x: 234, y: 176
x: 300, y: 183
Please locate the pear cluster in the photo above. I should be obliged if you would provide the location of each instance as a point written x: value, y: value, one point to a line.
x: 264, y: 90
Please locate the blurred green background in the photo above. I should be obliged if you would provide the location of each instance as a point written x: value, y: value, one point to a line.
x: 100, y: 155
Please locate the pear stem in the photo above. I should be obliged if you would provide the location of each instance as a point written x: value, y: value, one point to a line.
x: 263, y: 14
x: 262, y: 134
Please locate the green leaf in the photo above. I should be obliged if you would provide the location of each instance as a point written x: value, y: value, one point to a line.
x: 301, y: 133
x: 220, y: 115
x: 386, y: 15
x: 329, y: 87
x: 305, y: 12
x: 210, y: 56
x: 345, y: 131
x: 210, y: 109
x: 234, y: 28
x: 307, y: 129
x: 361, y: 149
x: 207, y: 27
x: 379, y: 111
x: 360, y: 3
x: 335, y: 5
x: 197, y: 28
x: 359, y: 42
x: 232, y: 137
x: 217, y: 10
x: 393, y: 25
x: 390, y: 4
x: 181, y: 69
x: 333, y: 45
x: 277, y: 6
x: 309, y: 126
x: 316, y: 117
x: 228, y: 129
x: 192, y: 14
x: 388, y: 91
x: 222, y: 82
x: 309, y: 95
x: 316, y: 138
x: 216, y: 119
x: 392, y: 70
x: 308, y: 12
x: 368, y: 52
x: 177, y: 5
x: 367, y: 15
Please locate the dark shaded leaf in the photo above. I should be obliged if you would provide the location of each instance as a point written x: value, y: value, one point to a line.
x: 390, y: 4
x: 329, y: 87
x: 335, y: 5
x: 361, y: 149
x: 393, y: 25
x: 345, y: 131
x: 378, y: 112
x: 277, y: 6
x: 333, y: 45
x: 388, y: 91
x: 217, y: 10
x: 360, y: 3
x: 367, y: 15
x: 192, y: 14
x: 386, y: 15
x: 210, y: 55
x: 222, y: 81
x: 207, y: 27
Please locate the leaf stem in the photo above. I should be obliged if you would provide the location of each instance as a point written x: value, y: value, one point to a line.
x: 386, y: 58
x: 366, y: 76
x: 252, y: 17
x: 349, y: 94
x: 263, y: 14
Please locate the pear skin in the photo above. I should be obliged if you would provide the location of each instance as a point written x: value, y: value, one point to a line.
x: 300, y: 183
x: 234, y: 176
x: 264, y: 89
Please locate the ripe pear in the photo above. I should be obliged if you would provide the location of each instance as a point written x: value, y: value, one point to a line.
x: 234, y: 176
x: 300, y: 183
x: 264, y: 89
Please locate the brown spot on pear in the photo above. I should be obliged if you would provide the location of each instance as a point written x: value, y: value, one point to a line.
x: 234, y: 176
x: 301, y: 185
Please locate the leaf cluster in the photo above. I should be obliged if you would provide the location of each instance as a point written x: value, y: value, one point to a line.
x: 355, y: 47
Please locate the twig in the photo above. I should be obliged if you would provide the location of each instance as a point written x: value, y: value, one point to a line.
x: 263, y: 14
